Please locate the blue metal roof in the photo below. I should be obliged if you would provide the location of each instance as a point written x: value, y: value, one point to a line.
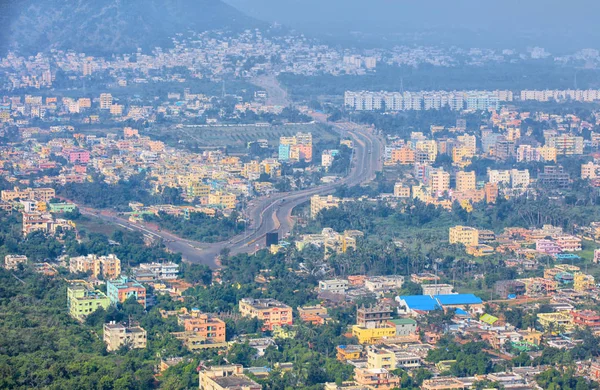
x: 458, y: 299
x: 420, y: 302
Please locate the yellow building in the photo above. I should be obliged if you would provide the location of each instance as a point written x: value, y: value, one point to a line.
x: 107, y: 266
x: 480, y: 250
x: 547, y: 153
x: 465, y: 181
x: 228, y: 201
x: 349, y: 352
x: 401, y: 191
x: 461, y: 155
x: 429, y: 147
x: 439, y: 181
x: 372, y: 335
x: 198, y: 190
x: 318, y: 203
x: 465, y: 235
x: 381, y: 358
x: 583, y: 282
x: 469, y: 142
x: 532, y: 336
x: 555, y: 322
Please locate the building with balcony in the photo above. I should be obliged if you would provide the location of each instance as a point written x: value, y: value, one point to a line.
x: 465, y: 235
x: 209, y: 327
x: 11, y: 262
x: 120, y: 289
x: 270, y: 311
x: 226, y: 378
x: 586, y: 318
x: 82, y: 301
x: 377, y: 378
x: 117, y: 335
x: 107, y: 266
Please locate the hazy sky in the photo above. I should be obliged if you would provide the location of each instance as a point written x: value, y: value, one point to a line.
x: 571, y: 21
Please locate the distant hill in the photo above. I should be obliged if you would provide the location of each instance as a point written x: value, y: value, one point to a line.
x: 104, y: 27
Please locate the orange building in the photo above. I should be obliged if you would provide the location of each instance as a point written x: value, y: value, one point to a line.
x: 211, y: 328
x: 270, y: 311
x: 587, y: 318
x: 404, y: 155
x: 491, y: 192
x: 379, y: 378
x: 301, y: 152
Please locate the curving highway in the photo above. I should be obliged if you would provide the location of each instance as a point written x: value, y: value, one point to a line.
x: 273, y: 214
x: 268, y: 214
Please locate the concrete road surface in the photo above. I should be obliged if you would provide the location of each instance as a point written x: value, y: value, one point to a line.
x: 269, y: 214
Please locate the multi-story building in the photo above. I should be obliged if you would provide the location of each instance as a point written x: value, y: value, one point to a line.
x: 107, y: 266
x: 439, y: 181
x: 556, y: 322
x: 373, y: 316
x: 491, y: 192
x: 554, y: 176
x: 429, y: 147
x: 437, y: 289
x: 271, y: 312
x: 118, y: 335
x: 106, y: 101
x: 226, y: 378
x: 83, y: 301
x: 465, y: 181
x: 566, y: 144
x: 120, y: 289
x: 583, y: 282
x: 211, y: 328
x: 334, y: 286
x: 318, y: 203
x: 404, y: 155
x: 227, y: 201
x: 37, y: 221
x: 589, y: 170
x: 378, y: 358
x: 586, y: 318
x: 465, y: 235
x: 11, y: 262
x: 513, y: 178
x: 39, y: 194
x: 376, y: 378
x: 401, y: 191
x: 163, y: 271
x: 373, y: 335
x: 328, y: 156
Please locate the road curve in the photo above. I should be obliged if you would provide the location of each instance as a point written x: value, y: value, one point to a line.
x: 274, y: 213
x: 267, y: 214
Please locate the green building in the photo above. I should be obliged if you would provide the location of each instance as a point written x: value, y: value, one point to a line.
x: 83, y: 301
x: 62, y: 207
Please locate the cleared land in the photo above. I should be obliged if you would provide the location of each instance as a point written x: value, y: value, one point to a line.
x: 237, y: 137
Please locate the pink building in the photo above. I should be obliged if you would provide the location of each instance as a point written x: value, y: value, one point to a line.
x: 79, y: 156
x: 547, y: 246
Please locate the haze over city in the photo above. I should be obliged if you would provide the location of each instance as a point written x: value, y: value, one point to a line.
x: 275, y: 195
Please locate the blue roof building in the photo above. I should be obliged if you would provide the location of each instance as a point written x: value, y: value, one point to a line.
x: 418, y: 302
x: 408, y: 303
x: 458, y: 299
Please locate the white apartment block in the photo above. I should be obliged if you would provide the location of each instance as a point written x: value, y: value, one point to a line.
x: 425, y: 100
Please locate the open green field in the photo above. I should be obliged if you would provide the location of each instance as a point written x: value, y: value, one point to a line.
x: 237, y: 137
x: 96, y: 225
